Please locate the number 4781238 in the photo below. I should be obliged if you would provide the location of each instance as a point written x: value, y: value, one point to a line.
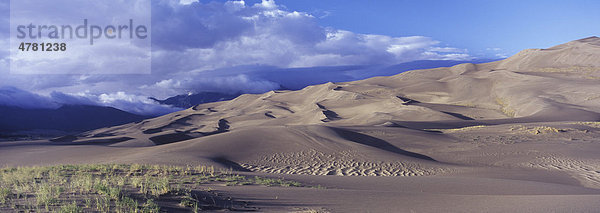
x: 47, y: 47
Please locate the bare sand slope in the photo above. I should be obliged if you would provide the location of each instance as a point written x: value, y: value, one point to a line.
x: 520, y: 134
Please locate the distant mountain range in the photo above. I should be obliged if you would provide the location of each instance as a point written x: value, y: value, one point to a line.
x: 68, y: 118
x: 190, y: 100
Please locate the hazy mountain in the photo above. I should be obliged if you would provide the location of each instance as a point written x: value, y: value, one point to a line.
x: 67, y: 118
x: 187, y: 101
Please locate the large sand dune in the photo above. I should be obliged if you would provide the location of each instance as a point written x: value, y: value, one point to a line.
x: 519, y: 134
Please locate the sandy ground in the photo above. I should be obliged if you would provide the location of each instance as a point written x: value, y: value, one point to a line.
x: 518, y: 135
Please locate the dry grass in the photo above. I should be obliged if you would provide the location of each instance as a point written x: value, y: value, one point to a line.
x: 460, y: 129
x: 590, y: 124
x: 504, y: 107
x: 592, y: 98
x: 537, y: 130
x: 117, y: 188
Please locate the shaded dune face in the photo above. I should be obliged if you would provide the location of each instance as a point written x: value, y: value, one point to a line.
x: 344, y: 128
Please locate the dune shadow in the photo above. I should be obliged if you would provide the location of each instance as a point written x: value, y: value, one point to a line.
x: 229, y: 164
x: 170, y: 138
x: 407, y: 101
x: 561, y: 115
x: 329, y: 115
x: 179, y: 122
x: 377, y: 143
x: 457, y: 115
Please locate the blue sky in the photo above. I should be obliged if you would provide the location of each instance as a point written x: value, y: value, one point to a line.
x: 227, y: 46
x: 476, y: 25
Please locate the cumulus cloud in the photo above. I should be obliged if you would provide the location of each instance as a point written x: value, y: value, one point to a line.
x: 233, y: 34
x: 134, y: 103
x: 224, y: 84
x: 498, y: 52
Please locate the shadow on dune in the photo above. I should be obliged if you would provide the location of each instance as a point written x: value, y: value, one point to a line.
x: 170, y: 138
x: 377, y: 143
x: 229, y: 164
x: 67, y: 141
x: 556, y: 115
x: 458, y: 115
x: 223, y: 126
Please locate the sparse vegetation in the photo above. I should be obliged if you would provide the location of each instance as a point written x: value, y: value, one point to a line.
x: 504, y: 107
x: 459, y: 129
x: 590, y: 124
x: 536, y: 130
x: 592, y: 97
x: 305, y: 210
x: 116, y: 188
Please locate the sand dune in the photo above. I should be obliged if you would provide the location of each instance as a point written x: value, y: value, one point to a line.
x: 318, y: 130
x: 529, y: 121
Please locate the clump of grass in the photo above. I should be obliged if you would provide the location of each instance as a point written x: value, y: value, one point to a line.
x: 469, y: 128
x: 590, y: 124
x: 5, y: 195
x: 113, y: 187
x: 71, y: 208
x: 126, y: 204
x: 545, y: 129
x: 150, y: 207
x: 48, y: 194
x: 311, y: 211
x: 537, y: 130
x: 505, y: 108
x: 275, y: 182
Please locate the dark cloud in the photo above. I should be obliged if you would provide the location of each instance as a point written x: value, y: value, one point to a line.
x: 179, y: 27
x: 12, y: 96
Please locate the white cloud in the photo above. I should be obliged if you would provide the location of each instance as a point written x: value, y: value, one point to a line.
x: 267, y: 4
x: 187, y: 2
x: 233, y: 6
x: 501, y: 55
x: 225, y: 84
x: 498, y: 52
x: 267, y: 34
x: 446, y: 49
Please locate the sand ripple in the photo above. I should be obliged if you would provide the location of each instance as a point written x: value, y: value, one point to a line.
x: 586, y: 171
x: 342, y: 164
